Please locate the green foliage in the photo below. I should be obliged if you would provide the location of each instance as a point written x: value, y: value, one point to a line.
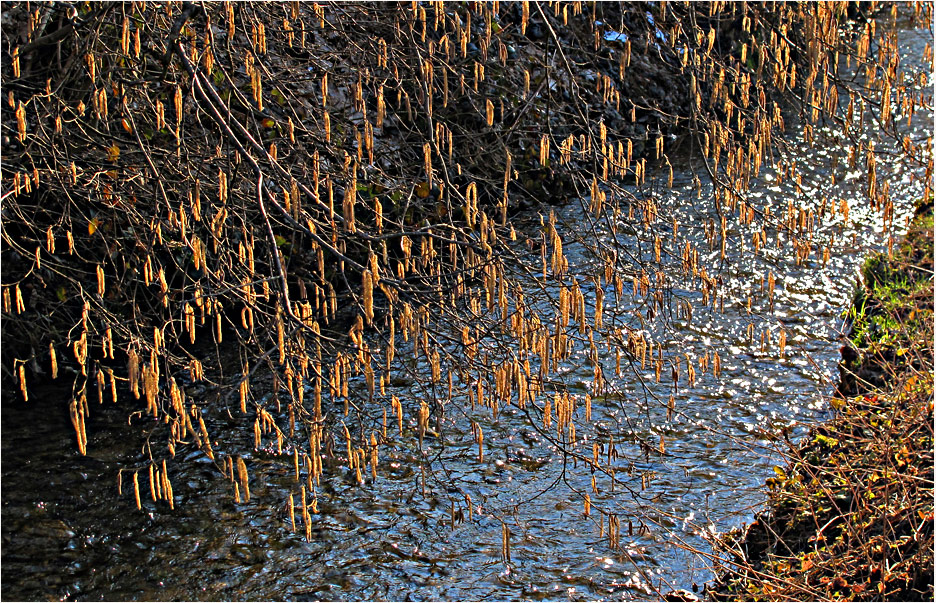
x: 890, y: 315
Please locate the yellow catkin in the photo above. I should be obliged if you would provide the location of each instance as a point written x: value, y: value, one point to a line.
x: 398, y: 410
x: 160, y: 480
x: 20, y: 305
x: 292, y: 512
x: 280, y: 336
x: 22, y: 382
x: 21, y: 121
x: 167, y: 488
x: 99, y: 381
x: 152, y: 483
x: 242, y: 476
x: 306, y: 517
x: 368, y: 286
x: 76, y: 412
x: 373, y: 456
x: 136, y: 490
x: 423, y: 421
x: 350, y: 451
x: 359, y: 461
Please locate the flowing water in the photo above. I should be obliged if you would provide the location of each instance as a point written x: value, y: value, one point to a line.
x: 67, y: 534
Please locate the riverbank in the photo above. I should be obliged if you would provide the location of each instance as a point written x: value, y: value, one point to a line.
x: 851, y: 516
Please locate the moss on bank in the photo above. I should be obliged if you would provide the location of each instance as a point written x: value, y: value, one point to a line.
x: 851, y: 516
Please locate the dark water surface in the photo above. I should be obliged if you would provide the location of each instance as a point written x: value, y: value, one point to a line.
x: 67, y: 534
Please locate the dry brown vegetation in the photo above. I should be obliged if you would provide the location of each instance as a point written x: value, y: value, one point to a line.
x: 219, y: 192
x: 851, y: 516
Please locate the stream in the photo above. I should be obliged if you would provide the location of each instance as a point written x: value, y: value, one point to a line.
x: 66, y: 534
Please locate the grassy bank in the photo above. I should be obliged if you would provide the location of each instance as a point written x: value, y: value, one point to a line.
x: 851, y: 515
